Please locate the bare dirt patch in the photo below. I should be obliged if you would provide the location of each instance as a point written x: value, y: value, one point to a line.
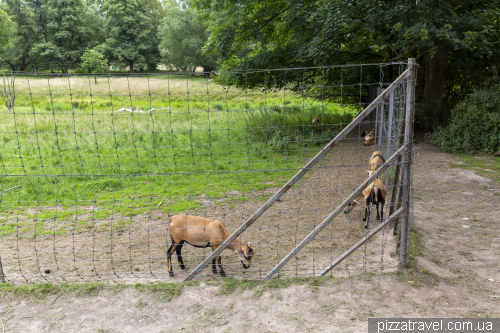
x: 451, y: 278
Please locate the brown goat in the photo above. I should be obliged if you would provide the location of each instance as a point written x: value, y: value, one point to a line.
x: 375, y: 160
x: 374, y: 193
x: 202, y: 232
x: 369, y: 140
x: 367, y: 131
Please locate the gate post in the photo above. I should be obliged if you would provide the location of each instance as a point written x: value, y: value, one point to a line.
x: 408, y: 159
x: 2, y: 275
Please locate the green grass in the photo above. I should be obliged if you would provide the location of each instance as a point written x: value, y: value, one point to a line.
x: 75, y: 151
x: 482, y: 164
x: 39, y: 291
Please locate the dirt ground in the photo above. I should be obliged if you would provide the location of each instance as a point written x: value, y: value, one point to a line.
x: 457, y: 274
x: 138, y: 251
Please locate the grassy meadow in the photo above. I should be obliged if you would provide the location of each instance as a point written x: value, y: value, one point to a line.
x: 68, y: 146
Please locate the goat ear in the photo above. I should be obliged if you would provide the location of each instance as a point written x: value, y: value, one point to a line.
x: 249, y: 244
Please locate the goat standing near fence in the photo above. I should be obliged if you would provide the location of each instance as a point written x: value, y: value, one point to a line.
x: 202, y: 232
x: 374, y: 193
x: 376, y: 160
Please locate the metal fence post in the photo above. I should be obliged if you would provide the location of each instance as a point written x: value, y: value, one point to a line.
x: 410, y: 110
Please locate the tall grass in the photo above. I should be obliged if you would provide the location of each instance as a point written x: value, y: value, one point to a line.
x: 67, y: 145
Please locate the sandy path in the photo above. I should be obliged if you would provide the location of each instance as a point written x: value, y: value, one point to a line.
x: 451, y: 279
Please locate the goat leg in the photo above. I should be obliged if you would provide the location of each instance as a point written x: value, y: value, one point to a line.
x: 178, y: 249
x: 169, y: 260
x: 367, y: 216
x: 222, y: 273
x: 214, y: 268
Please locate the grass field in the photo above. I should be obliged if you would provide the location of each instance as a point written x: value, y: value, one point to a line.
x: 68, y: 146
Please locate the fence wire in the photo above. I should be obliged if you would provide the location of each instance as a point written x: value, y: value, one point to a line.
x: 92, y: 170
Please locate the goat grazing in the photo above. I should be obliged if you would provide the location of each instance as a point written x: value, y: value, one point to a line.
x: 367, y: 131
x: 374, y: 193
x: 375, y: 160
x: 202, y: 232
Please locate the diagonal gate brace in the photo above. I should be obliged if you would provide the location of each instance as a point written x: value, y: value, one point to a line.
x: 361, y: 242
x: 359, y: 118
x: 336, y: 212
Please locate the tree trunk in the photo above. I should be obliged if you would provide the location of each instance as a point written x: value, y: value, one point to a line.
x: 22, y: 65
x: 436, y: 66
x: 131, y: 64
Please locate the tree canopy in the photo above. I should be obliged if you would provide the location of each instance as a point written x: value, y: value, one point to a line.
x: 129, y: 34
x: 183, y: 37
x: 456, y: 42
x: 66, y: 35
x: 93, y: 61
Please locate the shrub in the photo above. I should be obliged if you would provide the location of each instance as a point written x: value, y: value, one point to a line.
x: 218, y: 106
x: 475, y: 124
x: 280, y: 126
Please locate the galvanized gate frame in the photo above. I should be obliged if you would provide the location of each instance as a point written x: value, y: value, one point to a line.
x: 405, y: 151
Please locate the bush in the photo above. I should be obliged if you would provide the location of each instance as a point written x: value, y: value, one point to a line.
x: 218, y: 106
x: 475, y: 124
x: 280, y: 126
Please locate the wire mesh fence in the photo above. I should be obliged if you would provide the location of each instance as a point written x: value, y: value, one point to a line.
x: 94, y: 169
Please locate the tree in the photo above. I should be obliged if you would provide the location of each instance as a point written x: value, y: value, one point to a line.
x: 6, y: 26
x: 183, y: 37
x: 6, y: 29
x: 93, y: 20
x: 130, y: 34
x: 282, y: 33
x: 29, y: 20
x: 66, y: 37
x: 93, y: 61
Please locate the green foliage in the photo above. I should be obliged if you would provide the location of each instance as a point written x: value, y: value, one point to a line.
x: 6, y: 27
x: 66, y: 35
x: 183, y: 37
x: 463, y: 35
x: 282, y: 126
x: 130, y: 34
x: 93, y: 61
x: 29, y: 25
x: 475, y: 124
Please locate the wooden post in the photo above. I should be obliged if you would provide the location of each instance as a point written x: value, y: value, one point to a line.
x: 380, y: 122
x: 410, y: 110
x: 2, y: 275
x: 389, y: 132
x: 395, y: 187
x: 396, y: 223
